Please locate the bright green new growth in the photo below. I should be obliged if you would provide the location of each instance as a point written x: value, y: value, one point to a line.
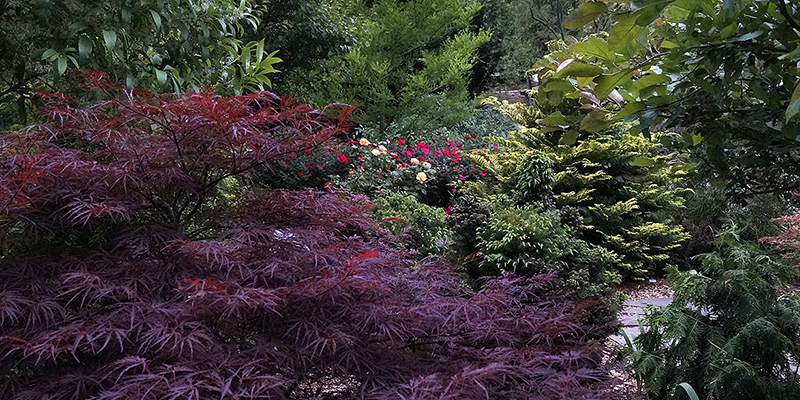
x: 728, y: 333
x: 424, y: 224
x: 615, y: 178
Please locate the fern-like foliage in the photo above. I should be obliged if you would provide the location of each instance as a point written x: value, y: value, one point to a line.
x: 728, y: 332
x: 136, y: 263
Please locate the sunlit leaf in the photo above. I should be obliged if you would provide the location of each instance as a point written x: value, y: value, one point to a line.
x: 585, y: 13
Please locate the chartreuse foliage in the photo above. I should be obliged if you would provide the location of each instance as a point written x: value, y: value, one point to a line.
x: 622, y: 188
x: 425, y: 225
x: 412, y: 57
x: 164, y: 46
x: 136, y: 263
x: 728, y: 332
x: 724, y: 69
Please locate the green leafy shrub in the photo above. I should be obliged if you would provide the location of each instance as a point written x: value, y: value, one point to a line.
x: 623, y: 187
x: 528, y: 241
x: 467, y: 214
x: 534, y: 177
x: 708, y: 208
x: 728, y: 332
x: 425, y: 225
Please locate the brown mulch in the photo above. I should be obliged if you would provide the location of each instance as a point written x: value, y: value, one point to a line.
x: 646, y: 289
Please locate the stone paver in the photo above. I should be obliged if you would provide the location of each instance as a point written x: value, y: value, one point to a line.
x: 632, y: 312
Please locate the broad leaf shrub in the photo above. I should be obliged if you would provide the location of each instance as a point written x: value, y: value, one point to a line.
x: 136, y: 262
x: 728, y: 332
x: 721, y: 70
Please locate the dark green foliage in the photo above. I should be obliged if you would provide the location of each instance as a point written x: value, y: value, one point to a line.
x: 521, y: 30
x: 306, y: 32
x: 528, y: 241
x: 534, y: 176
x: 708, y: 209
x: 467, y: 214
x: 424, y: 225
x: 728, y: 332
x: 410, y: 58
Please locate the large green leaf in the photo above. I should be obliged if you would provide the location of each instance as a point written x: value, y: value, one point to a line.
x: 558, y: 84
x: 649, y: 10
x: 607, y: 83
x: 585, y: 13
x: 595, y: 121
x: 647, y: 81
x: 84, y: 47
x: 574, y: 67
x: 110, y: 38
x: 556, y: 118
x: 628, y: 110
x: 594, y: 47
x: 623, y: 32
x: 61, y: 65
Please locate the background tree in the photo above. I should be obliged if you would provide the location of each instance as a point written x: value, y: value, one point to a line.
x: 307, y: 32
x: 521, y: 31
x: 412, y: 58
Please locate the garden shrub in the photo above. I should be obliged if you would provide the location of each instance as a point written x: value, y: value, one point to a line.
x: 425, y: 225
x: 708, y: 208
x: 625, y: 190
x: 427, y: 170
x: 728, y: 332
x: 135, y: 263
x: 467, y: 214
x: 528, y: 241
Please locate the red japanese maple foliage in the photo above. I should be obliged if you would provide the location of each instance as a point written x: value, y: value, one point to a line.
x: 138, y: 264
x: 789, y: 241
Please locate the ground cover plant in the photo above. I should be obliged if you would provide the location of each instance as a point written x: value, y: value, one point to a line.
x: 137, y: 261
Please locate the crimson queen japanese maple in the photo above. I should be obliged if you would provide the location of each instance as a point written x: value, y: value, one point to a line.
x: 138, y: 263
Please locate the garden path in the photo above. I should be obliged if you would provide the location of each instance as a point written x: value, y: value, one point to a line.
x: 643, y: 294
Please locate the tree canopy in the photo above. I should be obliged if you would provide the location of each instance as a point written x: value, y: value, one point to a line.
x: 724, y: 71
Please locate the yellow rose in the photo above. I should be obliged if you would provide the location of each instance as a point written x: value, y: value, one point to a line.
x: 421, y: 177
x: 363, y: 142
